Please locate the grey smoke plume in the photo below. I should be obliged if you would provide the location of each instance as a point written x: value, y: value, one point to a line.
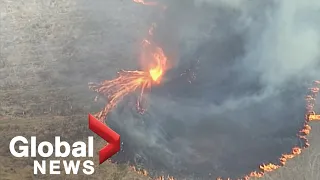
x: 288, y: 42
x: 246, y: 104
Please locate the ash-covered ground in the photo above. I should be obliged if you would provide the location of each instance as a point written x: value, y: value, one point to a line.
x: 244, y: 108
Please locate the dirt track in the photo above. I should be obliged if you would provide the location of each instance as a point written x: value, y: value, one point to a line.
x: 43, y: 89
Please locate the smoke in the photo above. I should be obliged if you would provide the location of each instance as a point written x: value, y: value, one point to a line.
x: 288, y: 43
x: 246, y: 104
x: 282, y: 37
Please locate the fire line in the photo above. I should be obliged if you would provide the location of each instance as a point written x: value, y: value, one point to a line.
x: 314, y: 117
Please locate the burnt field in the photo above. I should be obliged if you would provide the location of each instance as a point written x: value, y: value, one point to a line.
x: 244, y: 107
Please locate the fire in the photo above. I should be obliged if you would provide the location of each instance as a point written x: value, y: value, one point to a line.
x: 130, y: 81
x: 154, y: 62
x: 314, y: 117
x: 157, y: 71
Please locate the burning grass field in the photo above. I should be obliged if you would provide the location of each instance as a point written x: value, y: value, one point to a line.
x: 44, y: 71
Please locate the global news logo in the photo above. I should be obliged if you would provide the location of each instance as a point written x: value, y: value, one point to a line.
x: 21, y: 147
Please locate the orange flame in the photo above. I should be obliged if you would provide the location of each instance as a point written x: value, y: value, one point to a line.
x: 157, y: 71
x: 158, y: 65
x: 314, y: 117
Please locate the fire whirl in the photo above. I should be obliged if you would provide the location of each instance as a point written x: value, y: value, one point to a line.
x: 156, y: 61
x: 129, y: 81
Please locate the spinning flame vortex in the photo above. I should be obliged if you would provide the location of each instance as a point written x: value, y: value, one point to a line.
x: 155, y: 61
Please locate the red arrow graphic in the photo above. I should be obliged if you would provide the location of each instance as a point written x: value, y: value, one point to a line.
x: 107, y: 134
